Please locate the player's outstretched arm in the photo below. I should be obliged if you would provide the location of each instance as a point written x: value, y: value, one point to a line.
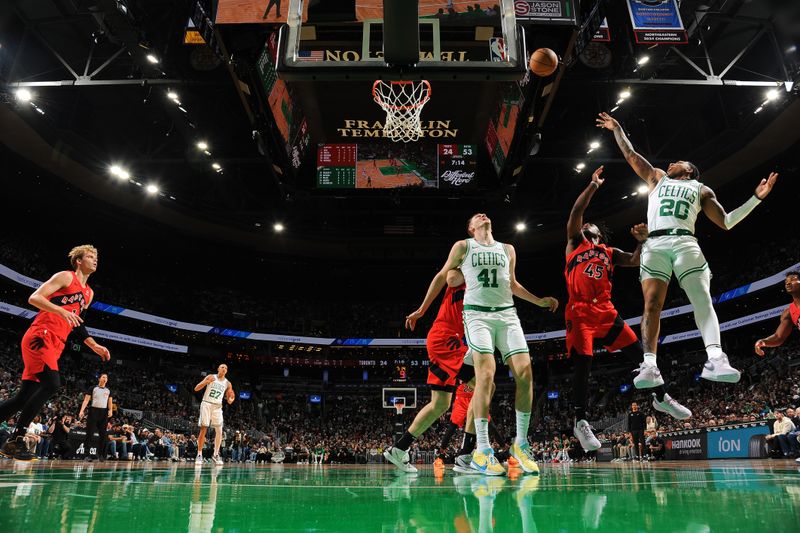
x: 575, y: 222
x: 439, y: 280
x: 521, y: 292
x: 716, y: 213
x: 229, y: 394
x: 640, y: 165
x: 777, y: 338
x: 41, y: 297
x: 631, y: 259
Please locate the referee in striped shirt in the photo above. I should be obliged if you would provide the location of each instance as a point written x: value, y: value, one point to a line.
x: 99, y: 413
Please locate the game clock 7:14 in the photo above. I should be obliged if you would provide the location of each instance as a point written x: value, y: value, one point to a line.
x: 456, y: 164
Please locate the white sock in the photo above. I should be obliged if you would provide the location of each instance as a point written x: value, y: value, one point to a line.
x: 482, y: 434
x: 523, y: 420
x: 650, y: 358
x: 698, y: 289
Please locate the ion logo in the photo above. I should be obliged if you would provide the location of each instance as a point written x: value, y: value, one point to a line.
x: 729, y: 445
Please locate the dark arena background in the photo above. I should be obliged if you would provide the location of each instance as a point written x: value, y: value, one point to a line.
x: 249, y: 205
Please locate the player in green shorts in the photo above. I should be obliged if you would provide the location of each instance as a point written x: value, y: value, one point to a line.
x: 491, y: 322
x: 675, y: 199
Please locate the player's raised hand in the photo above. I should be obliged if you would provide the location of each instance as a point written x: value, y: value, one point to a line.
x: 760, y: 344
x: 766, y: 185
x: 411, y: 320
x: 596, y: 176
x: 549, y: 302
x: 604, y: 120
x: 640, y: 232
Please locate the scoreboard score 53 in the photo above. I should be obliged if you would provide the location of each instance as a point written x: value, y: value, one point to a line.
x: 457, y: 164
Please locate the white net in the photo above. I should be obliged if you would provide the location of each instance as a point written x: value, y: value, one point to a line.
x: 403, y: 102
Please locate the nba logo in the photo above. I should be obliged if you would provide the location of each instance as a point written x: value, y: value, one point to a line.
x: 497, y: 49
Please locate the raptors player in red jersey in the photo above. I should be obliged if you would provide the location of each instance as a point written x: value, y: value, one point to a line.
x: 591, y: 316
x: 446, y: 351
x: 790, y: 317
x: 61, y: 301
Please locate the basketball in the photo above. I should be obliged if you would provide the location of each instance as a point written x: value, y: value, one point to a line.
x: 544, y: 62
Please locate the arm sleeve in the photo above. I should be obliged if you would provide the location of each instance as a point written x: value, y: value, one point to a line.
x: 81, y: 333
x: 738, y: 214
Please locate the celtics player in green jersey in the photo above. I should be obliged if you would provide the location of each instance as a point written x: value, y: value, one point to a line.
x: 675, y: 199
x: 491, y: 322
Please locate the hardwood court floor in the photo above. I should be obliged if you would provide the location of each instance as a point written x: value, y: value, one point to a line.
x: 696, y: 496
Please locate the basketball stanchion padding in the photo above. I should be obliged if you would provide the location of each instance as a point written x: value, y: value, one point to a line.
x: 403, y: 102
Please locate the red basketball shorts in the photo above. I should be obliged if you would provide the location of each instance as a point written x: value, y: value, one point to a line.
x: 458, y: 415
x: 446, y: 350
x: 603, y: 324
x: 40, y: 348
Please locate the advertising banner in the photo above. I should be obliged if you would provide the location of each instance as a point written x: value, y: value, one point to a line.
x: 738, y: 441
x: 657, y: 21
x: 561, y: 12
x: 689, y: 444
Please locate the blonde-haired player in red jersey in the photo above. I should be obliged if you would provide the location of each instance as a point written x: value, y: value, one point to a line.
x: 61, y: 301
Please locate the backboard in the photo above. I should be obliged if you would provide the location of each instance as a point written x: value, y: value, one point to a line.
x: 389, y: 395
x: 458, y: 40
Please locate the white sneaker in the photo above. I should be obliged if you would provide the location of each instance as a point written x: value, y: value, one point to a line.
x: 198, y: 460
x: 648, y: 376
x: 400, y: 459
x: 583, y: 432
x: 671, y: 406
x: 462, y: 463
x: 218, y: 460
x: 719, y: 369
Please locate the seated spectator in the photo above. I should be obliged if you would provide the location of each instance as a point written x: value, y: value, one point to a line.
x: 656, y: 446
x: 782, y: 427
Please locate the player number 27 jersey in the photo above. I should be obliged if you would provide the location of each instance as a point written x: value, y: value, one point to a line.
x: 215, y: 391
x: 487, y: 272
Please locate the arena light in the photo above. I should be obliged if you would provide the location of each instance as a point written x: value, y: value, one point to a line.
x: 642, y: 189
x: 625, y: 94
x: 278, y: 227
x: 772, y: 94
x: 152, y: 188
x: 580, y: 166
x: 182, y: 109
x: 172, y: 95
x: 643, y: 60
x: 23, y: 95
x: 520, y: 226
x: 202, y: 145
x: 152, y: 59
x: 758, y: 110
x: 594, y: 145
x: 216, y: 166
x: 119, y: 172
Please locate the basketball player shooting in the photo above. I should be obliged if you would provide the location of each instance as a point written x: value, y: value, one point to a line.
x: 590, y: 314
x: 216, y: 386
x: 675, y: 199
x: 790, y: 317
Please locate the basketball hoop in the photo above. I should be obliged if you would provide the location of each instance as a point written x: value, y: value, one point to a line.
x: 398, y: 405
x: 403, y: 102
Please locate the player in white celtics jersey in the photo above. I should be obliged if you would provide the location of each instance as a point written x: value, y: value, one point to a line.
x: 491, y: 322
x: 217, y: 387
x: 675, y: 199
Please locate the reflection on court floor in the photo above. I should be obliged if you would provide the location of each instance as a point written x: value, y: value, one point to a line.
x: 695, y: 496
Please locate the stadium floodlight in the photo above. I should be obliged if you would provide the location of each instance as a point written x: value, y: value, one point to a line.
x: 23, y: 95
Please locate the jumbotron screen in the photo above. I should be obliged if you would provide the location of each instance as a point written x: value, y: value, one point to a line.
x: 378, y: 165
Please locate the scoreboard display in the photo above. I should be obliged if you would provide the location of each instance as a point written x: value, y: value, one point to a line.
x: 456, y: 165
x: 336, y: 166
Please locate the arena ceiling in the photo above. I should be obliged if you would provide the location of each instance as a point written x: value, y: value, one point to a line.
x: 100, y: 101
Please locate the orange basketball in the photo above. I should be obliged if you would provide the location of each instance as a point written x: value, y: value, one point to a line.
x: 544, y: 62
